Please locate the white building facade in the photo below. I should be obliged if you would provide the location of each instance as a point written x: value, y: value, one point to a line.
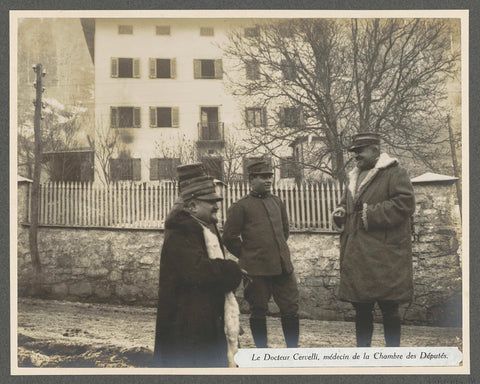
x: 160, y: 85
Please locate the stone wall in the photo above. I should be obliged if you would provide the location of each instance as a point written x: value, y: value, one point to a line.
x: 437, y: 256
x: 122, y: 266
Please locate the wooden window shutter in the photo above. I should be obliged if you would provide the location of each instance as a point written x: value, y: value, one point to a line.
x: 136, y: 67
x: 152, y: 65
x: 114, y: 67
x: 153, y: 116
x: 113, y: 117
x: 248, y: 120
x: 252, y: 70
x: 175, y: 117
x: 176, y: 163
x: 218, y: 69
x: 283, y: 167
x: 114, y: 169
x: 264, y: 117
x: 197, y: 69
x: 249, y: 70
x: 282, y: 117
x: 137, y: 169
x: 173, y: 68
x: 154, y: 169
x: 300, y: 116
x: 136, y: 117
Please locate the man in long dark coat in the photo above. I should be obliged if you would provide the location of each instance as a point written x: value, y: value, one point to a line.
x: 190, y: 317
x: 376, y: 248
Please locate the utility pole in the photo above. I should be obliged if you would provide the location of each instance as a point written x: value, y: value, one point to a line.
x: 456, y: 172
x: 35, y: 197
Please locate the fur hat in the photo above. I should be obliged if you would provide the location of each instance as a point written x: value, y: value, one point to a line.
x: 195, y: 184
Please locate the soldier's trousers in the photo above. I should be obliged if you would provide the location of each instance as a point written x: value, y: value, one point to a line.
x: 259, y: 289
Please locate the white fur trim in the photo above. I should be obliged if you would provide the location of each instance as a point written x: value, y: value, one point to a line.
x: 383, y: 161
x: 231, y: 309
x: 364, y: 216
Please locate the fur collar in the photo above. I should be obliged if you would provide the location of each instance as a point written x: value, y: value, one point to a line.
x: 383, y: 162
x: 183, y: 221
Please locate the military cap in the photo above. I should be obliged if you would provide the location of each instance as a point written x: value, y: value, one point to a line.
x: 365, y: 139
x: 259, y: 167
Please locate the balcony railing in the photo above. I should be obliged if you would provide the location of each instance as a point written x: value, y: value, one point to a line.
x: 210, y: 131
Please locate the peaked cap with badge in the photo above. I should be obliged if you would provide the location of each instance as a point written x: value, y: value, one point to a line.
x: 362, y: 140
x: 260, y: 167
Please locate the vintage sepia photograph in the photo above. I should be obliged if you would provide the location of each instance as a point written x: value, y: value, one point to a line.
x: 239, y: 192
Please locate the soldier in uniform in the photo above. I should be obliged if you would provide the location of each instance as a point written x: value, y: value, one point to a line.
x: 256, y: 232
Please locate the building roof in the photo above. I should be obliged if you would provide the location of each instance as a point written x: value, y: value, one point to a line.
x: 430, y: 177
x: 88, y: 26
x: 21, y: 179
x: 75, y: 150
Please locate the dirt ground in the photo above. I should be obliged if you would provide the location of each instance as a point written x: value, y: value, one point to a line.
x: 65, y: 334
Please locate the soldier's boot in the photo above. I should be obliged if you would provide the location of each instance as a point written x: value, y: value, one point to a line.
x: 364, y: 328
x: 391, y: 323
x: 258, y: 326
x: 291, y: 330
x: 392, y: 329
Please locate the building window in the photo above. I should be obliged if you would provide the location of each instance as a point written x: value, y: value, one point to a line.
x: 164, y: 117
x: 289, y: 71
x: 125, y: 169
x: 253, y: 70
x: 255, y: 117
x: 125, y: 117
x: 125, y: 29
x: 213, y: 167
x: 124, y: 67
x: 291, y: 117
x: 288, y: 168
x: 162, y: 68
x: 70, y: 166
x: 162, y: 30
x: 207, y: 69
x: 252, y: 32
x: 285, y: 30
x: 206, y: 31
x: 163, y: 168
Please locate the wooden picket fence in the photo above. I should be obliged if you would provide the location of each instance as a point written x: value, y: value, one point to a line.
x: 147, y: 204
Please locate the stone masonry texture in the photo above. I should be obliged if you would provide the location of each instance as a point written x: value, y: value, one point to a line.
x: 122, y: 266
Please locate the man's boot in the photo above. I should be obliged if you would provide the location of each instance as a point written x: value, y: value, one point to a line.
x: 391, y: 330
x: 364, y: 328
x: 258, y: 327
x: 391, y: 323
x: 291, y: 330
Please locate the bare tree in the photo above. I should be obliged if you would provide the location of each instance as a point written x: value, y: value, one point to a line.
x: 106, y: 145
x: 400, y: 73
x: 60, y: 128
x: 343, y: 76
x: 185, y: 151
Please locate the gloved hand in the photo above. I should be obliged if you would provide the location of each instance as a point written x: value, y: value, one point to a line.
x: 339, y: 217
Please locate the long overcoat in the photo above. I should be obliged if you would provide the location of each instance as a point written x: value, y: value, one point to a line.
x: 375, y: 245
x: 256, y: 231
x: 190, y: 317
